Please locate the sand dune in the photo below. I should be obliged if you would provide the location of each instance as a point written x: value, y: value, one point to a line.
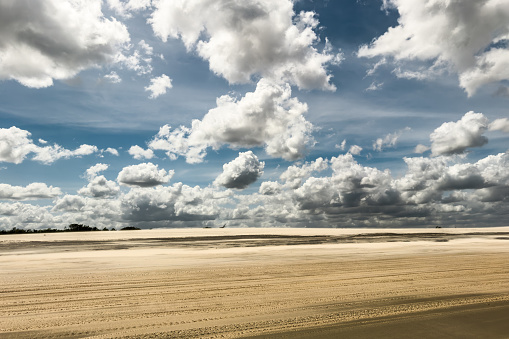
x: 229, y: 283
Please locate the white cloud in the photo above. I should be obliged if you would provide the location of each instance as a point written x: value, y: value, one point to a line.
x: 56, y: 39
x: 112, y: 151
x: 113, y: 77
x: 375, y: 86
x: 270, y: 188
x: 23, y: 215
x: 389, y: 140
x: 242, y: 39
x: 266, y: 117
x: 456, y: 137
x: 355, y: 150
x: 294, y: 174
x: 144, y: 175
x: 341, y: 146
x: 100, y: 187
x: 139, y: 153
x: 36, y: 190
x: 241, y: 172
x: 55, y: 152
x: 158, y: 86
x: 420, y: 148
x: 15, y: 145
x: 500, y: 125
x: 469, y: 37
x: 93, y: 171
x: 125, y: 8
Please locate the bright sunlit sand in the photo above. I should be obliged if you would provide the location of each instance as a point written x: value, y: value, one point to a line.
x: 255, y: 282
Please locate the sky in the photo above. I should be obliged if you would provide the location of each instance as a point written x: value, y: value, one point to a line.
x: 254, y: 113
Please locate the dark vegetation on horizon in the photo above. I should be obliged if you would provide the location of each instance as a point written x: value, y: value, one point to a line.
x: 70, y: 228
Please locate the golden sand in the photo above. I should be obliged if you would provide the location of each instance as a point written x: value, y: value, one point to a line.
x: 276, y: 283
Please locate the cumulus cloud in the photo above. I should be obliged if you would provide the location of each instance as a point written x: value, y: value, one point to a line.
x: 241, y: 172
x: 270, y: 188
x: 268, y: 117
x: 242, y: 39
x: 93, y: 171
x: 294, y: 174
x: 174, y: 203
x: 46, y: 40
x: 100, y: 187
x: 25, y: 215
x: 36, y: 190
x: 389, y: 140
x: 456, y: 137
x: 126, y: 8
x: 444, y: 190
x: 55, y: 152
x: 158, y: 86
x: 443, y: 32
x: 500, y: 125
x: 139, y: 153
x: 420, y: 148
x: 111, y: 151
x: 355, y: 150
x: 144, y: 175
x: 15, y: 145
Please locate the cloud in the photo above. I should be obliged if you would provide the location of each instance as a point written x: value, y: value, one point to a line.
x: 341, y: 146
x: 389, y: 140
x: 93, y: 171
x: 15, y: 145
x: 340, y: 192
x: 125, y: 8
x: 268, y: 117
x: 355, y: 150
x: 375, y: 86
x: 500, y: 125
x: 113, y: 77
x: 294, y: 174
x: 144, y: 175
x: 456, y: 137
x: 241, y: 172
x: 158, y: 86
x: 25, y: 215
x: 444, y: 33
x: 33, y: 191
x: 420, y: 148
x: 270, y: 188
x: 100, y: 187
x: 56, y: 39
x: 139, y: 153
x: 112, y: 151
x: 243, y: 39
x: 174, y: 203
x: 55, y: 152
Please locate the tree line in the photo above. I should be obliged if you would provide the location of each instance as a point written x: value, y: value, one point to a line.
x: 70, y: 228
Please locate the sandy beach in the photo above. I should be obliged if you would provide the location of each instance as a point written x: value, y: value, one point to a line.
x: 256, y: 283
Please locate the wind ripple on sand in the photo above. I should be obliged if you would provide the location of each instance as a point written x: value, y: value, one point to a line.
x: 245, y: 291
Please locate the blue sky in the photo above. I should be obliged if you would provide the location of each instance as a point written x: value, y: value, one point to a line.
x: 253, y: 113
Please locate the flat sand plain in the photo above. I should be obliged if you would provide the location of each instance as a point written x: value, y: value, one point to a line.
x: 256, y: 283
